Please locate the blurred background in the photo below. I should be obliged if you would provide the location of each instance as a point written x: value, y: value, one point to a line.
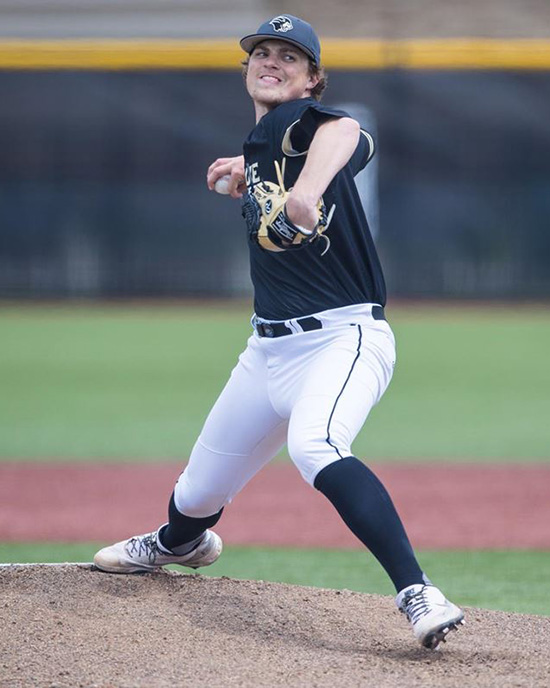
x: 111, y: 113
x: 124, y: 287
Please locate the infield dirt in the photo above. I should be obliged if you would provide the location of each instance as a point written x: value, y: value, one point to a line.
x: 73, y: 626
x: 498, y: 506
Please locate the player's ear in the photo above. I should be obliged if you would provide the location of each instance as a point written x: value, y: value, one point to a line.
x: 312, y: 82
x: 315, y: 74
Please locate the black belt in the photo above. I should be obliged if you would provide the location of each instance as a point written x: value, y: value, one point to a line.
x: 309, y: 323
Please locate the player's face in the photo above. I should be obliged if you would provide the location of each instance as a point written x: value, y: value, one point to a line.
x: 277, y: 73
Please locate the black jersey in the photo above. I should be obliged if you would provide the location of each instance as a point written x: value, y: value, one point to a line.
x: 291, y: 284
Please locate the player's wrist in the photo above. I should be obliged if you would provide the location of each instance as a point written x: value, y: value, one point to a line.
x: 301, y: 211
x: 299, y: 198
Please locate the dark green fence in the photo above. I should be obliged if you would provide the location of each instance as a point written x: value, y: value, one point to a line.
x: 102, y: 181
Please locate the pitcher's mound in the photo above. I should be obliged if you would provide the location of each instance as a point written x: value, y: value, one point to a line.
x: 73, y: 626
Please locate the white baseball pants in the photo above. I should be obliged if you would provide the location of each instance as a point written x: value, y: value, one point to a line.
x: 312, y: 390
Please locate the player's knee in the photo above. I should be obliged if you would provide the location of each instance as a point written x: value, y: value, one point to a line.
x: 307, y: 454
x: 312, y: 454
x: 196, y: 501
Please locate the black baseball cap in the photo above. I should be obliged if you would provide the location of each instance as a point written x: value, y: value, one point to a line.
x: 285, y: 27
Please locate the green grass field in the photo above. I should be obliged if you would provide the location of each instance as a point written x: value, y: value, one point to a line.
x: 135, y: 383
x: 510, y: 581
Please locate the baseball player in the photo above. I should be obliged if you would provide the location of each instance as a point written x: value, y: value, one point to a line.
x: 321, y: 353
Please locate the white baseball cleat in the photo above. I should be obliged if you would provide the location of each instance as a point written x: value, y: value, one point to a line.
x: 143, y: 553
x: 430, y: 613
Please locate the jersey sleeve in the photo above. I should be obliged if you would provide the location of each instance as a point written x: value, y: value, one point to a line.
x: 363, y: 153
x: 298, y: 135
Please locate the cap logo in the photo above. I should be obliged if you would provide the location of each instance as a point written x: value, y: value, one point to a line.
x: 282, y: 24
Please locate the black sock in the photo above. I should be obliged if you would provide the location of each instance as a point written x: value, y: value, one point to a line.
x: 367, y: 509
x: 183, y: 529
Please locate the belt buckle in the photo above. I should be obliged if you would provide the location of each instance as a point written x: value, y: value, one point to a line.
x: 264, y: 329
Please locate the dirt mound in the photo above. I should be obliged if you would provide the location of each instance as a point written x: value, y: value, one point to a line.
x: 72, y: 626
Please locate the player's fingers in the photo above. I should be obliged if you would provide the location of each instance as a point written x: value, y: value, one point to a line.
x: 236, y: 182
x: 234, y: 187
x: 217, y: 169
x: 236, y: 163
x: 227, y: 166
x: 218, y: 162
x: 240, y: 189
x: 213, y: 176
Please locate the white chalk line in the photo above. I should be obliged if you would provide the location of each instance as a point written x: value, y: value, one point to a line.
x: 80, y: 564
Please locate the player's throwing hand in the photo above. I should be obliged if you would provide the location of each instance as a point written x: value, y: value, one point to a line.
x: 231, y: 167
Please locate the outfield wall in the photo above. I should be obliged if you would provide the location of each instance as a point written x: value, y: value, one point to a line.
x: 105, y: 147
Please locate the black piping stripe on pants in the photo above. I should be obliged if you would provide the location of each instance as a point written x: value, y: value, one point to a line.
x: 329, y: 442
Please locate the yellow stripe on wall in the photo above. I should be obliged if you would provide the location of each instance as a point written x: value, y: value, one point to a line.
x: 461, y: 53
x: 107, y: 54
x: 120, y: 54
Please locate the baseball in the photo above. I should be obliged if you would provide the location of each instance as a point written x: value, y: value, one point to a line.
x: 222, y: 185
